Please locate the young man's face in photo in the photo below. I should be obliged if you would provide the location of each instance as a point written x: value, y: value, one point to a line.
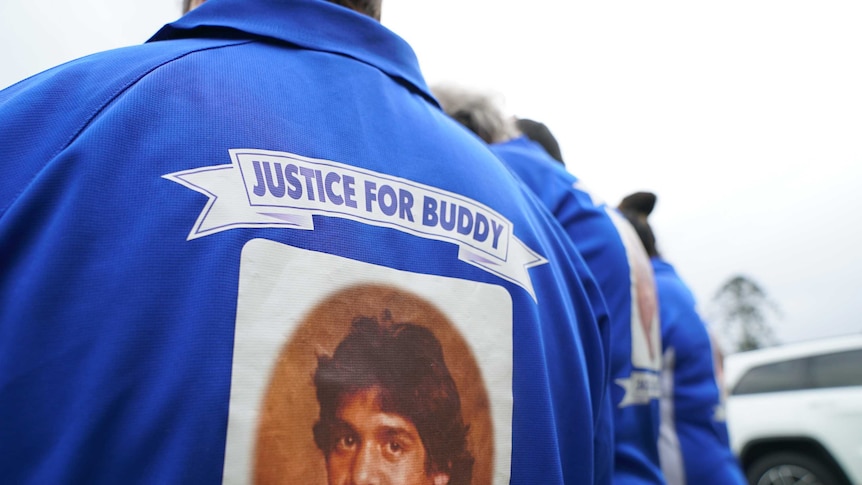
x: 373, y: 447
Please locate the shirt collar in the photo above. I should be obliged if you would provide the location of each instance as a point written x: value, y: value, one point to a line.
x: 311, y: 24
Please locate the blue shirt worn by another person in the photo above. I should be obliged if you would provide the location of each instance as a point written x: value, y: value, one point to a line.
x: 694, y: 445
x: 621, y: 267
x: 188, y: 225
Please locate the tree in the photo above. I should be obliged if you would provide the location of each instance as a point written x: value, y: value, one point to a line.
x: 742, y: 307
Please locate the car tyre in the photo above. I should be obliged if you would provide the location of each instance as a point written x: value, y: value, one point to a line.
x: 788, y: 468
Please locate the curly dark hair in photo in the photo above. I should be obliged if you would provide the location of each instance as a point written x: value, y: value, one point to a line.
x: 405, y: 362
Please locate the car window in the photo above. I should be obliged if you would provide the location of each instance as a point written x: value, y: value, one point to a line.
x: 781, y: 376
x: 837, y: 370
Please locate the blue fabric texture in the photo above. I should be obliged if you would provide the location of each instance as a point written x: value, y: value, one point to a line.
x: 697, y: 428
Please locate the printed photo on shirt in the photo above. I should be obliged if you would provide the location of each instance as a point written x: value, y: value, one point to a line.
x: 646, y: 331
x: 389, y: 376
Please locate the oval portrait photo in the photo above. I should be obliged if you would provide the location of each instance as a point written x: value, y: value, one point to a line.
x: 375, y: 385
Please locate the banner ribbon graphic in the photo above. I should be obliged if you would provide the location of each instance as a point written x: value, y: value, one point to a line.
x: 269, y: 189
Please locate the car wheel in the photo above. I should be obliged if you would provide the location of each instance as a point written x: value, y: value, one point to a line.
x: 787, y: 468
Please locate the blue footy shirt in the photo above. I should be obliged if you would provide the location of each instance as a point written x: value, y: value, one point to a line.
x: 694, y: 444
x: 190, y: 228
x: 614, y: 254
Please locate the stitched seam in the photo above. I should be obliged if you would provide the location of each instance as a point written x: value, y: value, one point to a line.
x: 100, y: 108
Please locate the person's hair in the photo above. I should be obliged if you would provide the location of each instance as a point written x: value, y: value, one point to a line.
x: 367, y: 7
x: 405, y: 362
x: 478, y: 112
x: 541, y: 134
x: 637, y: 208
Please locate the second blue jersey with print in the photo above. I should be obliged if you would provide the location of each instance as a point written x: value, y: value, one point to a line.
x: 614, y: 255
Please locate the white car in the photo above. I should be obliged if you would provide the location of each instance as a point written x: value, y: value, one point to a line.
x: 794, y: 412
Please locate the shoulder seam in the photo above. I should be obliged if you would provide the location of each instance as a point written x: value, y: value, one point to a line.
x: 110, y: 98
x: 101, y: 107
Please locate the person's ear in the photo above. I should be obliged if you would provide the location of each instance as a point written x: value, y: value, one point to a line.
x: 440, y: 478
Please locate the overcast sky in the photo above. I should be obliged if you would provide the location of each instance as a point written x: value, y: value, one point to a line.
x: 744, y: 117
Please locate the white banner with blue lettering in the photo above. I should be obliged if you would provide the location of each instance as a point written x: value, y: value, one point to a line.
x: 263, y: 188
